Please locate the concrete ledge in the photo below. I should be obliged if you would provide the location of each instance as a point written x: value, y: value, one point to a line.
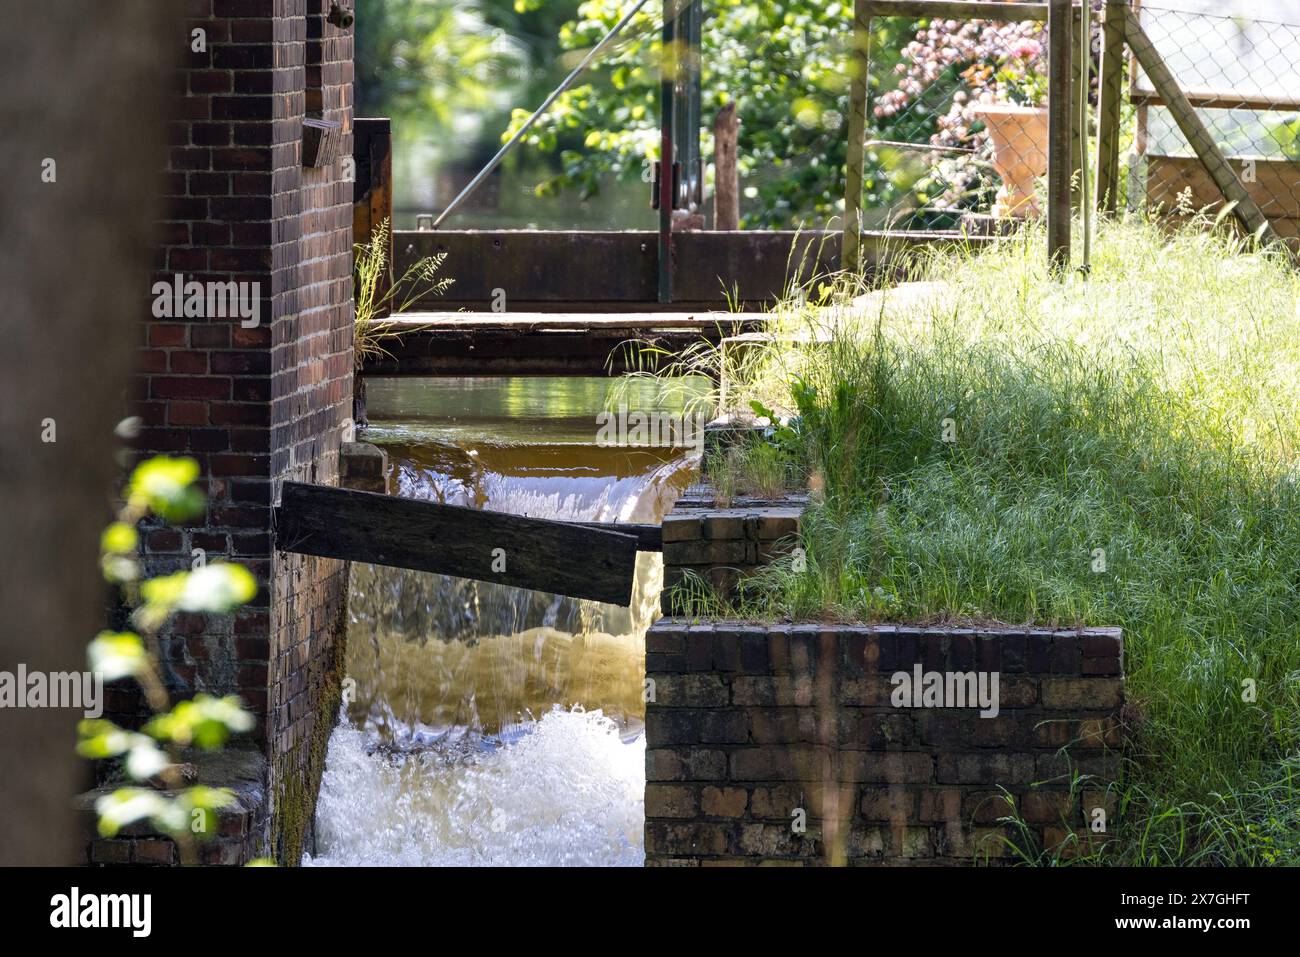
x: 242, y: 828
x: 363, y: 467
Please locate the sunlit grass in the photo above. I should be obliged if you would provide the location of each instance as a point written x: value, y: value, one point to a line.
x: 1143, y: 421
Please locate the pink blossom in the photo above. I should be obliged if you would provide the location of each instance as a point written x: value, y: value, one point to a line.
x: 1027, y: 49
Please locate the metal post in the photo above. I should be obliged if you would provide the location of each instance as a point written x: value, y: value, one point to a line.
x: 859, y: 61
x: 1059, y: 71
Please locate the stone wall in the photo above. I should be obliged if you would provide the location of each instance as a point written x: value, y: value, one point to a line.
x: 256, y: 402
x: 754, y: 731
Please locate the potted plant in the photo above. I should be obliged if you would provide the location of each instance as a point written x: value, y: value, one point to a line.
x: 1013, y: 111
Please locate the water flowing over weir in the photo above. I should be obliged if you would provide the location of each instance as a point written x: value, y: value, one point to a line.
x: 489, y: 724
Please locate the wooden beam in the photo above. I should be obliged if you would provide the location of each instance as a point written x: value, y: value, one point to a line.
x: 535, y: 343
x: 854, y: 167
x: 1216, y: 164
x: 1059, y: 125
x: 726, y: 175
x: 715, y: 270
x: 1205, y: 98
x: 649, y: 538
x: 1110, y: 93
x: 562, y: 558
x: 960, y: 10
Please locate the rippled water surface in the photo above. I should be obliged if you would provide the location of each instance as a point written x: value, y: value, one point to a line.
x: 492, y: 725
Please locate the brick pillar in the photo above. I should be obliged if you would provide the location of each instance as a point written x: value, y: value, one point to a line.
x: 256, y: 404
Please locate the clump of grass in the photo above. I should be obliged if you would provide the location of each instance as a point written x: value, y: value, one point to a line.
x: 1113, y: 451
x: 378, y: 297
x: 755, y: 468
x: 723, y: 471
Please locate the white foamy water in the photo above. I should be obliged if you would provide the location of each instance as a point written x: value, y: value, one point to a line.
x: 439, y: 761
x: 567, y: 792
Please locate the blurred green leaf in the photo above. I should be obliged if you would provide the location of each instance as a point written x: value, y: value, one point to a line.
x: 204, y: 721
x: 119, y: 539
x: 165, y: 486
x: 117, y: 654
x: 215, y: 589
x: 172, y: 815
x: 125, y: 806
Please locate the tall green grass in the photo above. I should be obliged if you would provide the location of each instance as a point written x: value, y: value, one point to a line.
x: 1146, y: 417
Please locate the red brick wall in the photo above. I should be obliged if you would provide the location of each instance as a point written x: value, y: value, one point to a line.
x: 257, y: 405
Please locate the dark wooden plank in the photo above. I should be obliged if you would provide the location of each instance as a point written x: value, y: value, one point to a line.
x: 558, y: 557
x: 372, y: 193
x: 535, y: 269
x: 530, y: 343
x: 715, y: 270
x: 649, y: 538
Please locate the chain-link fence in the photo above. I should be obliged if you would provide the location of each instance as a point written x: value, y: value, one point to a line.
x: 1237, y: 63
x: 1191, y: 105
x: 956, y: 122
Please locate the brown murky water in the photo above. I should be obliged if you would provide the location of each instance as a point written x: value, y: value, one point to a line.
x: 493, y: 725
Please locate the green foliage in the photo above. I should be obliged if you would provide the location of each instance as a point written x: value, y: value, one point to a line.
x: 423, y: 61
x: 162, y: 486
x: 784, y: 65
x: 377, y: 298
x: 1286, y: 133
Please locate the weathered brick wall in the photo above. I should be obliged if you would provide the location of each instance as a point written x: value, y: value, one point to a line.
x: 240, y: 827
x: 311, y: 400
x: 751, y: 724
x: 256, y: 404
x: 722, y: 545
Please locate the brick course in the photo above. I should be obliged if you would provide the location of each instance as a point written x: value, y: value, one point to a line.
x: 722, y: 545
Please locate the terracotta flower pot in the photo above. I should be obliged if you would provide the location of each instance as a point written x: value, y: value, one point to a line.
x: 1019, y: 135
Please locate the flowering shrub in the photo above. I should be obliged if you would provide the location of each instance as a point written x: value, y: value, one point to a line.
x: 985, y: 61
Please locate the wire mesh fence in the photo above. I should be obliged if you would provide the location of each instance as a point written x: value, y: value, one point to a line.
x: 956, y: 122
x: 1236, y: 63
x: 957, y: 129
